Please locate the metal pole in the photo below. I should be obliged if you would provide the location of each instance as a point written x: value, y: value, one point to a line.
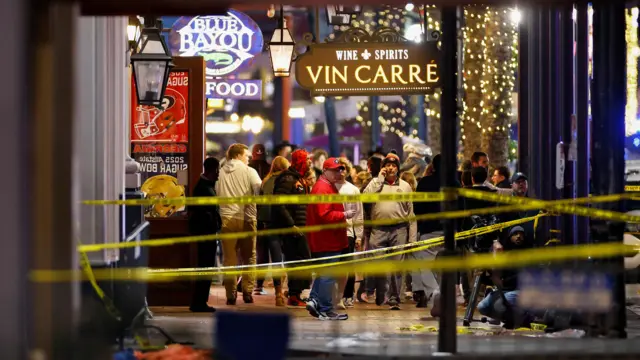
x: 375, y: 124
x: 449, y: 141
x: 278, y: 112
x: 608, y: 138
x: 568, y: 25
x: 533, y: 110
x: 582, y: 113
x: 523, y: 91
x: 422, y: 118
x: 332, y: 126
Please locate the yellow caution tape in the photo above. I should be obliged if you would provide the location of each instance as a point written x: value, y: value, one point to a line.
x: 280, y: 199
x: 477, y: 261
x: 567, y: 206
x: 89, y: 275
x: 447, y: 194
x: 632, y: 188
x: 538, y: 327
x: 389, y: 251
x: 303, y: 229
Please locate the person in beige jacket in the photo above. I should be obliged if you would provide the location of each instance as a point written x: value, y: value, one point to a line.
x: 238, y: 179
x: 388, y: 181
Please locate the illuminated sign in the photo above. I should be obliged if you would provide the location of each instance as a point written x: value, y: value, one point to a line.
x: 234, y: 89
x: 228, y: 43
x: 369, y: 68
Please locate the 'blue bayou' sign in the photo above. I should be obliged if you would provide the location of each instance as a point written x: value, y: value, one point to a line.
x: 228, y: 43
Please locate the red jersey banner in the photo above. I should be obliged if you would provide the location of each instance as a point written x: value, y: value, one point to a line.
x: 168, y: 123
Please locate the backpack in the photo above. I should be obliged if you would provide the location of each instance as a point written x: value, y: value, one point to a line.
x: 484, y: 242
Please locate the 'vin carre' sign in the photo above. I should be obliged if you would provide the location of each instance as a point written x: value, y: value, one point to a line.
x: 228, y: 43
x: 368, y: 68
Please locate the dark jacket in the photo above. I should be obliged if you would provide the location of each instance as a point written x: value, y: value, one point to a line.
x: 504, y: 184
x: 286, y: 216
x: 261, y: 166
x: 429, y: 183
x: 264, y: 211
x: 470, y: 204
x: 205, y: 219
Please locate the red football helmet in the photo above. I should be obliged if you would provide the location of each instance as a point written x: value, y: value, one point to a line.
x: 153, y: 122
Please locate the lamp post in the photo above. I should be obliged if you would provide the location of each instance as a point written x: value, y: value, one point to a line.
x: 151, y: 65
x: 281, y: 48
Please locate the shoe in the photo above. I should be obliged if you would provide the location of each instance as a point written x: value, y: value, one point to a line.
x: 348, y: 302
x: 294, y: 300
x: 380, y: 300
x: 279, y: 296
x: 247, y: 298
x: 202, y: 309
x: 362, y: 297
x: 341, y: 305
x: 330, y: 315
x: 435, y: 309
x: 394, y: 304
x: 421, y: 299
x: 231, y: 301
x: 312, y: 308
x: 260, y: 291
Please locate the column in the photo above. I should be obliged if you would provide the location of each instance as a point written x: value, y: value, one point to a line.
x: 582, y: 113
x: 100, y: 138
x: 375, y: 123
x: 568, y: 111
x: 332, y: 126
x: 422, y: 118
x: 16, y: 143
x: 608, y: 142
x: 50, y: 154
x: 449, y: 142
x: 524, y: 31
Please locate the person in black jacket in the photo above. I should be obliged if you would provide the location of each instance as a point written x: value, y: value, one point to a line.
x: 205, y: 220
x: 259, y: 160
x: 294, y: 246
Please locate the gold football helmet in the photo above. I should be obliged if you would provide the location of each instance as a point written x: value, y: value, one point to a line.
x: 162, y: 187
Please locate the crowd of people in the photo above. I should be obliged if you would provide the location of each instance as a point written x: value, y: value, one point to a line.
x: 297, y: 172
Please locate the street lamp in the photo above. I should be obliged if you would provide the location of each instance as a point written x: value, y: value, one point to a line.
x: 133, y: 32
x: 281, y: 48
x: 151, y: 65
x: 341, y: 15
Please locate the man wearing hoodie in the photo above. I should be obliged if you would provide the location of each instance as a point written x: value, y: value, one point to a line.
x: 388, y: 181
x: 294, y: 246
x: 238, y: 179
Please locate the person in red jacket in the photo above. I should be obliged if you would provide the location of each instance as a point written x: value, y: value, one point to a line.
x: 329, y: 242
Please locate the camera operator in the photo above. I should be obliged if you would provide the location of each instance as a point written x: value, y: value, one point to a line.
x: 506, y: 280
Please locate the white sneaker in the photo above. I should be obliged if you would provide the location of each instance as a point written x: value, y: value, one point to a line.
x: 348, y: 302
x: 341, y: 305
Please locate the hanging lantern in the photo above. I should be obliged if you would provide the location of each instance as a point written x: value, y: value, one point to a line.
x: 151, y: 66
x: 133, y: 32
x: 281, y: 48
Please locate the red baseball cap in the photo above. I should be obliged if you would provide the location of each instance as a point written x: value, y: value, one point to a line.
x: 332, y: 164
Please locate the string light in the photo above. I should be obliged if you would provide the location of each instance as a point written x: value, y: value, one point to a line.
x: 490, y: 44
x: 632, y: 125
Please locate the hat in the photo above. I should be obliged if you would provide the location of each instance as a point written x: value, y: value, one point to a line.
x: 332, y: 164
x: 516, y: 229
x: 518, y: 176
x: 258, y: 151
x: 391, y: 159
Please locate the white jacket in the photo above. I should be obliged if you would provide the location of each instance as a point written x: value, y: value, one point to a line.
x: 237, y: 179
x: 348, y: 188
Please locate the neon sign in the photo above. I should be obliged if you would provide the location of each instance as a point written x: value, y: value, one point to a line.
x: 229, y: 43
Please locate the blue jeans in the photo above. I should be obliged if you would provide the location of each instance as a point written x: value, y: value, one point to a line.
x: 493, y: 306
x: 324, y: 286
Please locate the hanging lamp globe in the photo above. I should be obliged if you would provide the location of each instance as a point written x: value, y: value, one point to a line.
x: 151, y: 66
x: 281, y: 49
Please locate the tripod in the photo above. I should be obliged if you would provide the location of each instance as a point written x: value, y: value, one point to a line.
x: 483, y: 278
